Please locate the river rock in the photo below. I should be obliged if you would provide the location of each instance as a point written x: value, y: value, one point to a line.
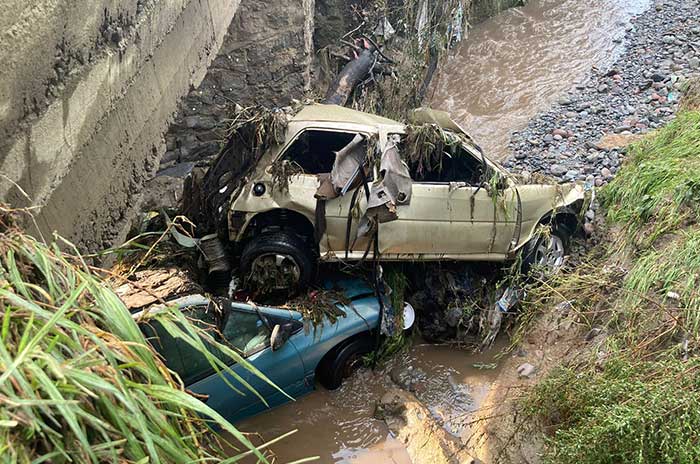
x: 636, y: 93
x: 407, y: 377
x: 558, y: 170
x: 526, y: 370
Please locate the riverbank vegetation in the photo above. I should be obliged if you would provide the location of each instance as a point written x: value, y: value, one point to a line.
x: 635, y: 397
x: 78, y: 380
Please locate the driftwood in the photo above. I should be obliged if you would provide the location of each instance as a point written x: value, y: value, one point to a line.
x: 350, y: 76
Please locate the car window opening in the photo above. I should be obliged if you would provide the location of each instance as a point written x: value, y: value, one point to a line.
x: 314, y: 150
x: 458, y: 166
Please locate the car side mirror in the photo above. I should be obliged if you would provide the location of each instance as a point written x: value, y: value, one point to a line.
x: 280, y: 335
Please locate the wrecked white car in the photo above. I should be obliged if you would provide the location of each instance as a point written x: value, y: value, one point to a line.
x: 346, y: 186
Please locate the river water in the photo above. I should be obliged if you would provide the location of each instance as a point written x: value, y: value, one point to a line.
x: 518, y: 63
x: 510, y: 68
x: 339, y: 427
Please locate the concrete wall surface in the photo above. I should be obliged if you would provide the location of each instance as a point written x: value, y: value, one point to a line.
x: 87, y: 90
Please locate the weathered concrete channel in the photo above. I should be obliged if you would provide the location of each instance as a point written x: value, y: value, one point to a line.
x: 86, y: 93
x: 126, y: 89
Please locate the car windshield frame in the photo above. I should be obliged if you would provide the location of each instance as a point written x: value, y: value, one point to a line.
x: 285, y: 148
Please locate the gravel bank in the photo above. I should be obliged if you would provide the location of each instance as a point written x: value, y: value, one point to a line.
x: 583, y: 136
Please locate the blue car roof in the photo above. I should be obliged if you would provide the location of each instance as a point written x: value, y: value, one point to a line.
x: 352, y: 287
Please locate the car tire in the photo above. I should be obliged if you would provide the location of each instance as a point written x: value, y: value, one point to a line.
x: 290, y: 253
x: 343, y: 362
x: 556, y: 243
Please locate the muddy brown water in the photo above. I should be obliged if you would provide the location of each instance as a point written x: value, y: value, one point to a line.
x: 339, y: 427
x: 510, y: 68
x: 520, y: 62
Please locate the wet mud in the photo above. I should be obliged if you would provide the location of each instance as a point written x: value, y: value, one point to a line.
x: 518, y: 63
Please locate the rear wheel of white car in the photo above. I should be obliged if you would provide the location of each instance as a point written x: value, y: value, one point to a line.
x: 546, y: 252
x: 277, y: 261
x: 343, y: 362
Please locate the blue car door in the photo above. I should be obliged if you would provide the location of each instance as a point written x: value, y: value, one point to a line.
x: 249, y: 334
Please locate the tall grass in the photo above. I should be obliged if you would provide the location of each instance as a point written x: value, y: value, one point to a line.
x: 630, y: 412
x: 659, y: 188
x: 78, y: 381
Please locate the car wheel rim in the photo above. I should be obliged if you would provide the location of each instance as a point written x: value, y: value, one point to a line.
x: 549, y: 253
x: 352, y: 365
x: 276, y: 271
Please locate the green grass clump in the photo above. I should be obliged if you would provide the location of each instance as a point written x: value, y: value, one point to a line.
x: 672, y: 268
x: 78, y: 380
x: 631, y: 412
x: 659, y: 188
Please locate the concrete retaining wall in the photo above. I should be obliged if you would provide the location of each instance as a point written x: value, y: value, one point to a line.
x: 86, y: 94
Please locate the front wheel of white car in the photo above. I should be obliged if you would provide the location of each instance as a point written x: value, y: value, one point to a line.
x: 546, y: 251
x: 277, y: 261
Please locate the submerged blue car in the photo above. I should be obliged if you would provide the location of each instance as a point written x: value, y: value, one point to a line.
x: 275, y: 341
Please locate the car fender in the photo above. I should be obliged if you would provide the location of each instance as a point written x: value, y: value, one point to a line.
x: 362, y: 316
x: 540, y: 203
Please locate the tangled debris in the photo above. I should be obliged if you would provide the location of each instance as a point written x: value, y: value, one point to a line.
x: 251, y: 131
x: 283, y: 170
x: 399, y: 47
x: 425, y: 145
x: 319, y: 304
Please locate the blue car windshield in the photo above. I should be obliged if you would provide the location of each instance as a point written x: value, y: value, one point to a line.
x: 240, y: 330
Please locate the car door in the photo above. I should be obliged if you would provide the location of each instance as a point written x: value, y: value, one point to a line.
x: 452, y: 214
x: 313, y: 152
x: 244, y: 329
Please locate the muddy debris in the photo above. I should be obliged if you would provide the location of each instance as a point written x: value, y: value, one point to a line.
x: 147, y: 287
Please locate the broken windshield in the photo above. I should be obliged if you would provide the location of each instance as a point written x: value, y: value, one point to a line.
x: 314, y: 150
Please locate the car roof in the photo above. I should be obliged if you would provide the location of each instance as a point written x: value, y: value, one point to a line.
x: 341, y: 114
x: 352, y: 288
